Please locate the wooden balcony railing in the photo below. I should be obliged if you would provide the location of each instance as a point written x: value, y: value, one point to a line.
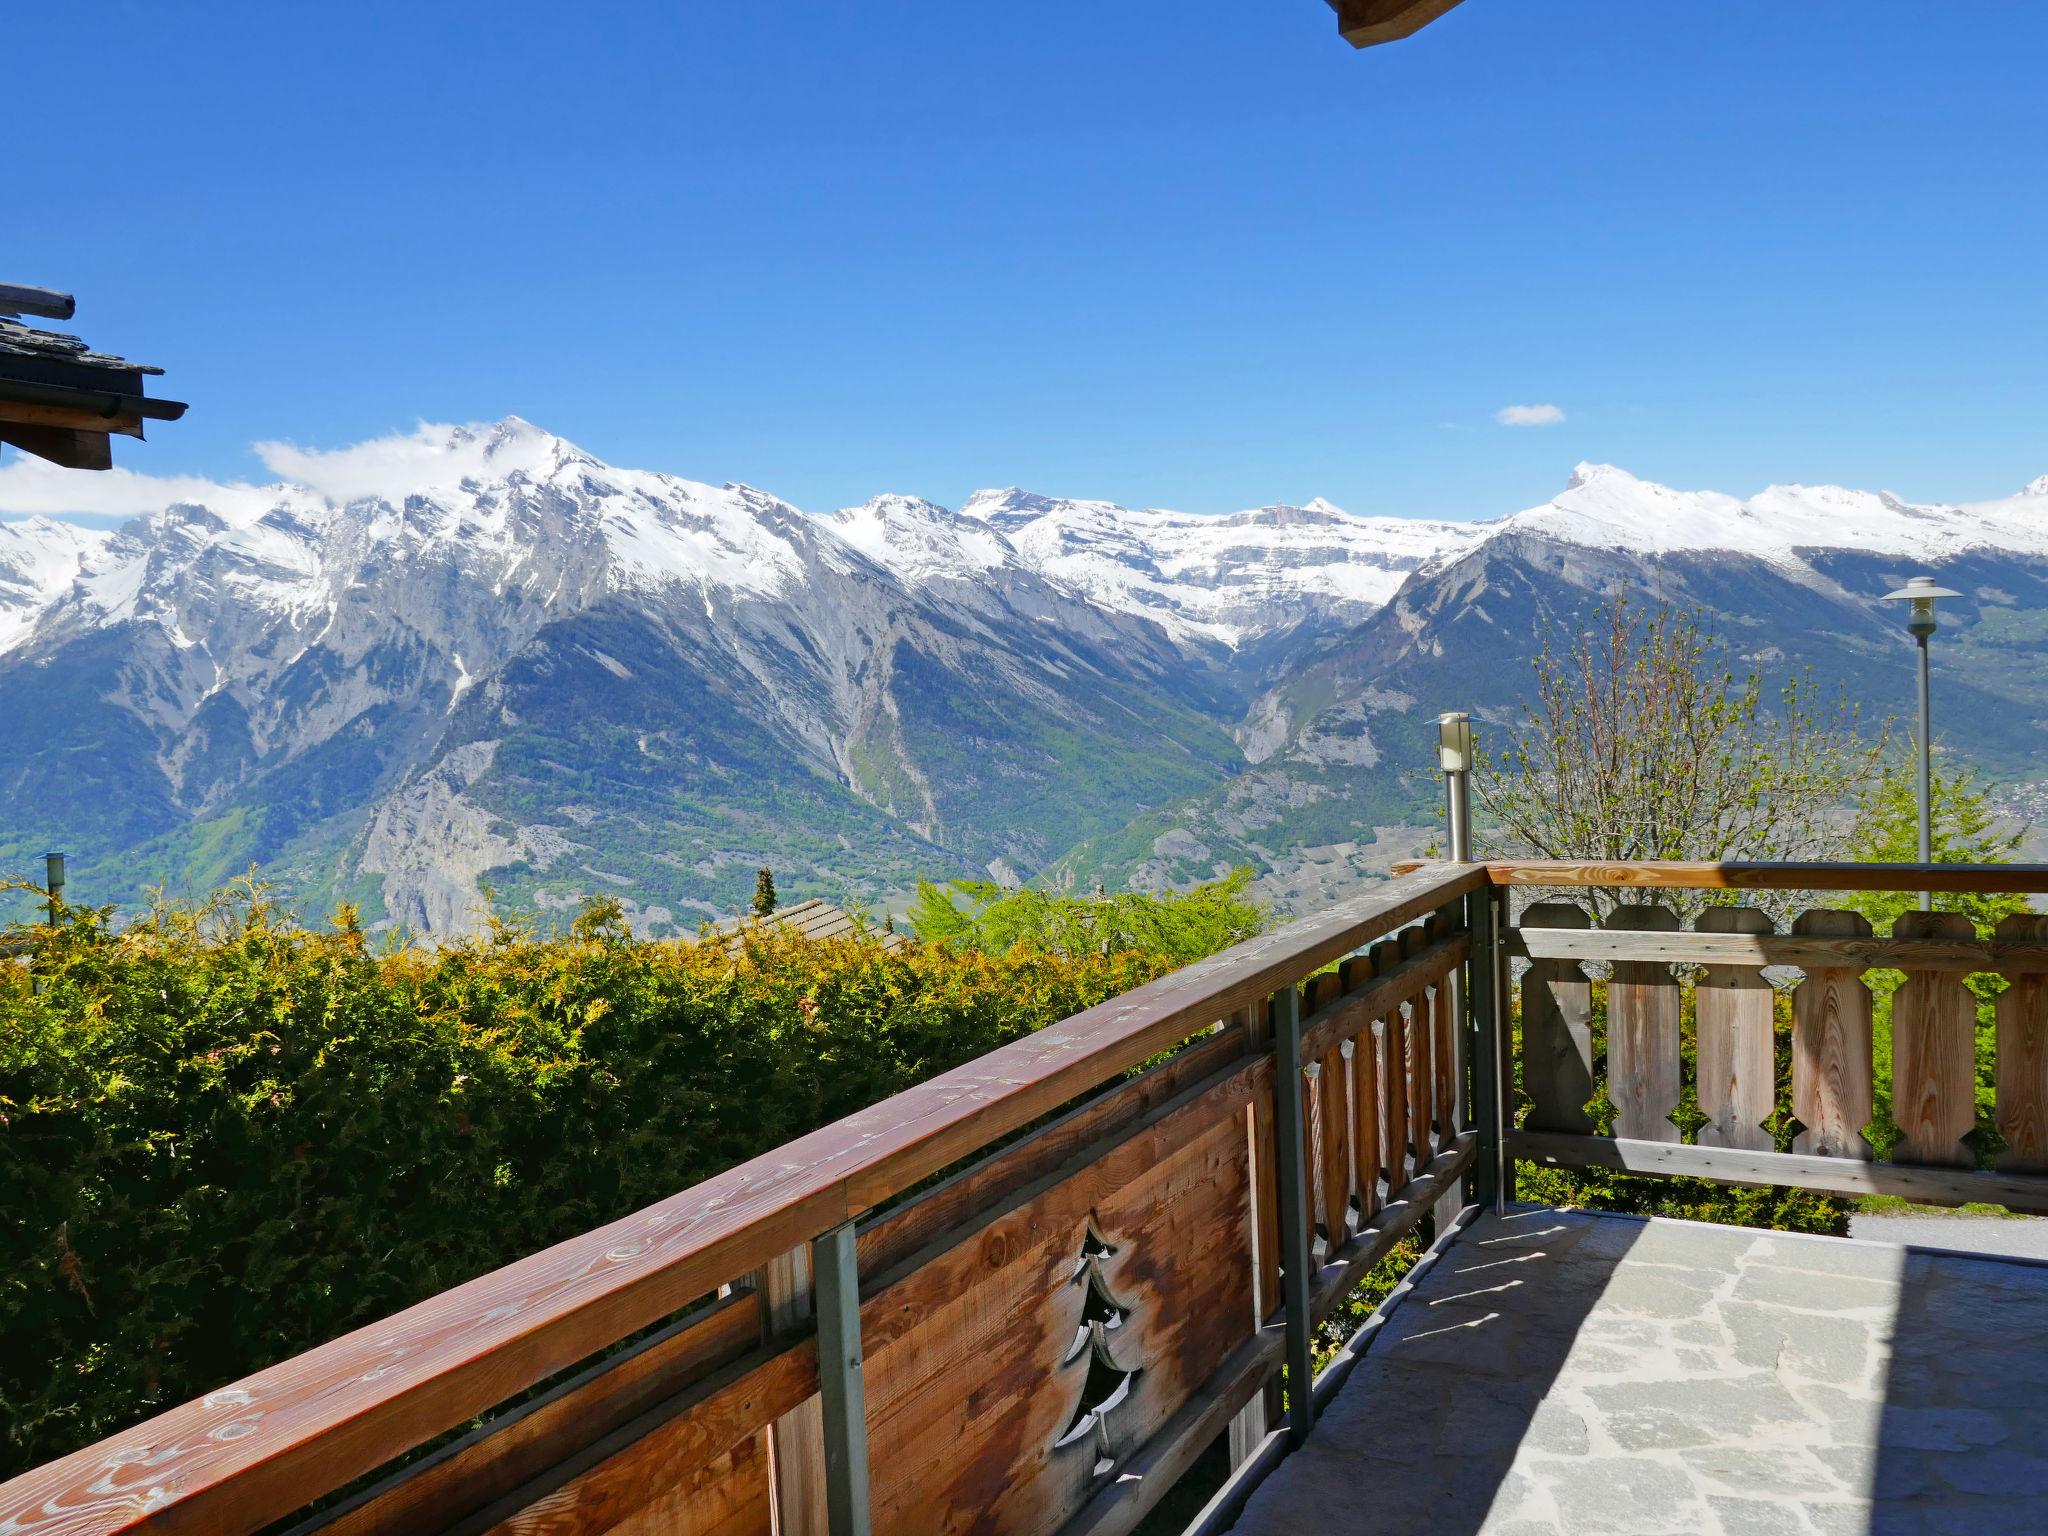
x: 1831, y: 1113
x: 1042, y: 1341
x: 950, y: 1312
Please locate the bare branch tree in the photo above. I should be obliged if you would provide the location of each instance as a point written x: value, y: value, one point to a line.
x: 1642, y: 743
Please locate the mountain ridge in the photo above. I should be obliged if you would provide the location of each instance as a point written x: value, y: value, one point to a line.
x: 477, y: 654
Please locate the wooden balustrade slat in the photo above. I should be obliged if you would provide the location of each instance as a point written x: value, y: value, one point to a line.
x: 263, y: 1447
x: 1393, y: 1073
x: 1265, y: 1175
x: 1644, y: 1065
x: 2022, y: 1042
x: 1832, y: 1071
x: 1365, y: 1097
x: 1421, y: 1070
x: 1557, y: 1025
x: 1736, y: 1061
x: 1444, y: 1041
x: 1331, y: 1118
x: 1934, y: 1052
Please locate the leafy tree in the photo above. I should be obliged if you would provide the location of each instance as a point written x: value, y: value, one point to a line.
x: 764, y: 891
x: 1185, y: 925
x: 1642, y: 743
x: 1963, y: 829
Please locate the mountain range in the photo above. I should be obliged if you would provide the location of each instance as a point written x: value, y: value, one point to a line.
x: 476, y: 660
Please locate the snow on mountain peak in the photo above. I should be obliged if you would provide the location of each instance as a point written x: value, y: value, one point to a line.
x: 2038, y: 486
x: 922, y: 541
x: 1605, y: 507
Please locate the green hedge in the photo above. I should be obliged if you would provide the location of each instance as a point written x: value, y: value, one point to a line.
x: 225, y: 1138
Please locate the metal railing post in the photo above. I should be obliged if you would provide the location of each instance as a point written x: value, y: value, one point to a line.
x: 836, y: 1277
x: 1485, y: 1002
x: 1289, y: 1155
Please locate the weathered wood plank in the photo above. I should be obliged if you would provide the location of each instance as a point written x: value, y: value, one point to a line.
x: 2023, y: 1053
x: 1736, y: 1059
x: 1644, y: 1061
x: 1934, y: 1052
x: 1421, y: 1070
x: 1393, y: 1071
x: 984, y: 1412
x: 1444, y: 1053
x: 1829, y: 1175
x: 248, y: 1455
x: 1785, y: 949
x: 1365, y: 1099
x: 670, y: 1458
x: 1832, y: 1068
x: 890, y: 1237
x: 1557, y: 1025
x: 509, y: 1450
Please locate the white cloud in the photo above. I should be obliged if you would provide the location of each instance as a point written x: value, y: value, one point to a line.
x: 1529, y: 415
x: 31, y: 486
x: 432, y: 455
x: 429, y: 457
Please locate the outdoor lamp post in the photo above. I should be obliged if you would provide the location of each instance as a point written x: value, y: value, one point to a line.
x: 53, y: 871
x: 1454, y: 743
x: 1921, y: 592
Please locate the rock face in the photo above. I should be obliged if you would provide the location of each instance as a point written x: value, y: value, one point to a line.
x: 477, y: 657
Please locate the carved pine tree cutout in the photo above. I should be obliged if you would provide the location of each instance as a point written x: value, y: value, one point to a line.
x: 1109, y: 1382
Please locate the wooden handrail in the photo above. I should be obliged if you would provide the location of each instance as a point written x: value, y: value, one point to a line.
x: 1703, y: 875
x: 255, y: 1451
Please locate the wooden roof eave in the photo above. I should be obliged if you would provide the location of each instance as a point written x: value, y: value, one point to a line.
x: 1365, y: 23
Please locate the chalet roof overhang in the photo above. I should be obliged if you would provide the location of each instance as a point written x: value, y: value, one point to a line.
x: 59, y: 399
x: 1363, y: 23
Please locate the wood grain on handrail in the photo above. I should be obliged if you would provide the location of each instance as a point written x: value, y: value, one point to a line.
x: 2015, y: 879
x: 257, y: 1450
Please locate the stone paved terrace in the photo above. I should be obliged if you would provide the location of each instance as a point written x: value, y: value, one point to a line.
x: 1565, y: 1374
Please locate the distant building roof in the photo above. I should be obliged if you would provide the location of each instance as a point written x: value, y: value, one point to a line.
x: 814, y: 919
x: 59, y: 399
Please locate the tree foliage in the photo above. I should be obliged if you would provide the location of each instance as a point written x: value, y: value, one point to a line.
x: 1182, y: 925
x: 226, y: 1137
x: 1643, y: 743
x: 764, y: 891
x: 1963, y: 829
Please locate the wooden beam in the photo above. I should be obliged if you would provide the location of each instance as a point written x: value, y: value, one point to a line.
x: 74, y: 417
x: 1364, y: 23
x: 1786, y: 949
x: 1829, y: 1175
x: 69, y: 446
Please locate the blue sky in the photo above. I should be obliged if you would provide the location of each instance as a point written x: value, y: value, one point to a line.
x: 1198, y: 254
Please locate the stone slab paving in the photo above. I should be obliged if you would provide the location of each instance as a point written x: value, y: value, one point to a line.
x: 1566, y: 1374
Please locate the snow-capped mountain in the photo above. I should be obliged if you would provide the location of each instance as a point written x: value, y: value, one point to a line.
x: 1792, y: 579
x: 1236, y: 583
x: 476, y: 655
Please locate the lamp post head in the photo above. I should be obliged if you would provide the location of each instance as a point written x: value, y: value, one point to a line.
x: 1454, y: 742
x: 1920, y: 591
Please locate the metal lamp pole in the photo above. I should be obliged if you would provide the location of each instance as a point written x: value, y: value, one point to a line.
x: 1921, y: 592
